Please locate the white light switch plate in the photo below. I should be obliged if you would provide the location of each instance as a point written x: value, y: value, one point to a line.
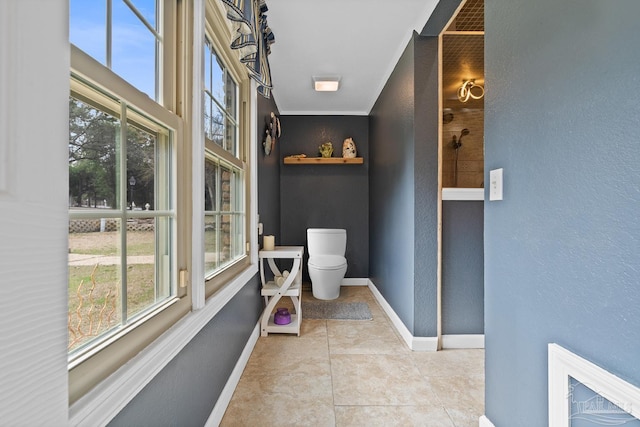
x: 495, y: 184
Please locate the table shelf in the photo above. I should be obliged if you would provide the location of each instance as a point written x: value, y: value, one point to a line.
x: 291, y: 287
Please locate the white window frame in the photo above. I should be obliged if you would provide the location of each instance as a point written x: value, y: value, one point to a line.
x: 108, y: 398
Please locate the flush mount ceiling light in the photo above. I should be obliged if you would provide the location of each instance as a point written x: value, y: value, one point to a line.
x: 470, y: 89
x: 326, y: 84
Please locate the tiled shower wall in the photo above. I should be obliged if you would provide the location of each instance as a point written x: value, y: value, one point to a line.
x: 470, y: 154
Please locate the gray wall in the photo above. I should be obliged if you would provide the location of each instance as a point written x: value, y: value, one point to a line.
x: 562, y: 248
x: 268, y: 173
x: 186, y: 390
x: 404, y: 188
x: 326, y: 196
x: 462, y: 267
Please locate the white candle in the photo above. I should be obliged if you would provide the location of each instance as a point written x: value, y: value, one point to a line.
x: 268, y: 243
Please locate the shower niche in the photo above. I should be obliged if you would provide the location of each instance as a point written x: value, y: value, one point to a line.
x: 462, y: 95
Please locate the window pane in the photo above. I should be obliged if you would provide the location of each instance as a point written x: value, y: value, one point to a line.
x: 231, y: 136
x: 211, y: 253
x: 133, y: 50
x: 217, y: 127
x: 94, y: 278
x: 87, y: 27
x: 93, y: 161
x: 141, y: 259
x: 210, y: 186
x: 140, y: 168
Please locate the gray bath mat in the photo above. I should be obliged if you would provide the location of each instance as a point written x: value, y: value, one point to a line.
x: 336, y: 310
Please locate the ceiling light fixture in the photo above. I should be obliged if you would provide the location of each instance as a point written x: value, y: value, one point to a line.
x: 470, y: 89
x: 326, y: 84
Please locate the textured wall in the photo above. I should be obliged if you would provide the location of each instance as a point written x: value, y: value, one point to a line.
x: 186, y: 390
x: 562, y: 248
x: 404, y: 188
x: 326, y: 196
x: 268, y: 173
x: 462, y: 267
x: 392, y: 204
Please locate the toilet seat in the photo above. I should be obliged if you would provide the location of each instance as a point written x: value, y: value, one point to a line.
x: 327, y: 262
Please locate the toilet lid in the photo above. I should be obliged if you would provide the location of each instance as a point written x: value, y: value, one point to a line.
x: 327, y: 262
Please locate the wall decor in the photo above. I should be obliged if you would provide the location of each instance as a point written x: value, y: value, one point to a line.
x: 273, y: 132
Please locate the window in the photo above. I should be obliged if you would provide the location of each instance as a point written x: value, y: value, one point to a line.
x: 120, y: 251
x: 225, y: 206
x: 124, y: 211
x: 123, y: 35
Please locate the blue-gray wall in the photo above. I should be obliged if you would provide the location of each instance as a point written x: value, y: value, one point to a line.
x: 562, y: 250
x: 462, y: 267
x: 326, y: 196
x: 404, y: 188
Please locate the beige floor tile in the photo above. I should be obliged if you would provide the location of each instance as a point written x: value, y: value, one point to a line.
x: 272, y: 400
x: 386, y: 416
x: 450, y: 362
x: 378, y: 380
x: 462, y: 397
x: 361, y: 337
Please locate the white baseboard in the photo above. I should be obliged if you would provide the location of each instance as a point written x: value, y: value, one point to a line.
x: 485, y: 422
x: 414, y: 343
x: 219, y: 409
x: 463, y: 341
x: 355, y: 282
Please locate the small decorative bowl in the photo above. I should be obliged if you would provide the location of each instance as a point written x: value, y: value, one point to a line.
x: 282, y: 316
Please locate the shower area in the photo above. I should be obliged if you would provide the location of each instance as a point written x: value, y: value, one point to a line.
x: 463, y: 98
x: 462, y: 178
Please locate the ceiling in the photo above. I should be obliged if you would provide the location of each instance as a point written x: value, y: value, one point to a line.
x: 358, y: 40
x: 361, y: 41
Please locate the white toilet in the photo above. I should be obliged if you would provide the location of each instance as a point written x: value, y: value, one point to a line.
x: 327, y: 264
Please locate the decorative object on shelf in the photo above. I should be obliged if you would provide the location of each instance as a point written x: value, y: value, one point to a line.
x: 282, y: 316
x: 296, y: 156
x: 470, y: 89
x: 349, y: 149
x: 268, y: 243
x: 326, y: 149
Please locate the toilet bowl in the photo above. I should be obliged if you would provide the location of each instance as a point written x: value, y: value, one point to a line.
x: 327, y: 264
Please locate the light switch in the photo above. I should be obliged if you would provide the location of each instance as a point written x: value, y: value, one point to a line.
x: 495, y: 184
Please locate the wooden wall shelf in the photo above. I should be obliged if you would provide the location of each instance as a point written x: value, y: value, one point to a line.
x: 322, y: 161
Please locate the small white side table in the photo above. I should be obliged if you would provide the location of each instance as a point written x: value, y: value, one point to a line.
x: 292, y: 287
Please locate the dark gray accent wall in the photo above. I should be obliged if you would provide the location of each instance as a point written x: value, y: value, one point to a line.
x: 562, y: 250
x: 326, y: 196
x: 404, y: 188
x: 462, y: 267
x: 186, y: 390
x: 268, y: 172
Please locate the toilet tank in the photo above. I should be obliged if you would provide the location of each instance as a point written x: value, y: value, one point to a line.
x: 326, y: 241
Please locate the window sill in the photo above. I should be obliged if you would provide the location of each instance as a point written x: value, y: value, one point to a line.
x: 109, y: 397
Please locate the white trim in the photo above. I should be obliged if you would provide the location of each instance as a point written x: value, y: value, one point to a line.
x: 322, y: 113
x: 564, y: 364
x: 463, y: 194
x: 227, y: 393
x: 485, y: 422
x: 253, y: 170
x: 463, y: 341
x: 414, y: 343
x: 197, y: 158
x: 108, y: 398
x: 355, y: 282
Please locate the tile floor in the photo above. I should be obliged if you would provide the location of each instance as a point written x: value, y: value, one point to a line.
x: 356, y: 373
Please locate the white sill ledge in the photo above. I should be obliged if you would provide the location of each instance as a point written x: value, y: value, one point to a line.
x: 108, y: 398
x: 463, y: 194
